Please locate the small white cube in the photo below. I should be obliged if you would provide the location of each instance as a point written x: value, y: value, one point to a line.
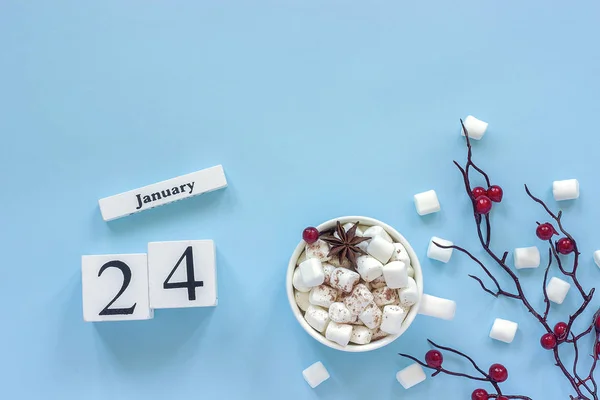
x: 338, y: 312
x: 182, y: 274
x: 437, y: 253
x: 358, y: 299
x: 377, y: 230
x: 475, y: 127
x: 411, y: 376
x: 504, y: 330
x: 437, y: 307
x: 343, y: 279
x: 395, y: 274
x: 298, y: 283
x: 315, y: 374
x: 318, y: 250
x: 361, y: 335
x: 527, y: 257
x: 327, y: 270
x: 393, y: 317
x: 317, y: 317
x: 369, y: 267
x: 427, y: 202
x: 400, y: 254
x: 557, y: 290
x: 312, y: 272
x: 371, y: 316
x: 597, y: 257
x: 410, y: 294
x: 339, y: 333
x: 565, y: 190
x: 381, y: 249
x: 385, y: 296
x: 302, y: 300
x: 115, y: 287
x: 322, y: 296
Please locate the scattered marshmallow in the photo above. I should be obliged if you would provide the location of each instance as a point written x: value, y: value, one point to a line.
x: 315, y: 374
x: 327, y: 270
x: 343, y: 279
x: 369, y: 267
x: 339, y: 313
x: 361, y: 335
x: 371, y: 316
x: 427, y: 202
x: 358, y: 299
x: 338, y: 333
x: 377, y: 230
x: 411, y: 271
x: 385, y: 296
x: 395, y: 274
x: 437, y: 307
x: 393, y: 317
x: 400, y: 254
x: 565, y: 190
x: 504, y: 330
x: 410, y: 294
x: 411, y: 376
x: 323, y: 296
x: 302, y: 300
x: 475, y: 127
x: 527, y: 257
x: 318, y: 250
x: 379, y: 334
x: 557, y: 290
x: 381, y: 249
x: 597, y: 257
x: 317, y: 317
x: 298, y: 283
x: 438, y: 253
x: 312, y: 272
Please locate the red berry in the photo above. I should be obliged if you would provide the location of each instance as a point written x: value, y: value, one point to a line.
x: 478, y: 191
x: 597, y: 321
x: 495, y: 193
x: 597, y: 349
x: 479, y: 394
x: 560, y: 330
x: 310, y: 235
x: 548, y: 341
x: 501, y: 398
x: 483, y: 205
x: 545, y: 231
x: 434, y: 358
x: 498, y: 373
x: 565, y: 246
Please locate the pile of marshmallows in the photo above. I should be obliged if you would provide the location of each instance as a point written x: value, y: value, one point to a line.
x: 356, y: 307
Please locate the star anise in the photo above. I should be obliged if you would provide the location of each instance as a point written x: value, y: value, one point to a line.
x: 345, y: 245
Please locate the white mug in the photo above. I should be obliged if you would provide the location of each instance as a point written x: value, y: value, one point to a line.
x: 420, y: 307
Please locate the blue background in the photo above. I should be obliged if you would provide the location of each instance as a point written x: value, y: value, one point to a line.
x: 316, y: 109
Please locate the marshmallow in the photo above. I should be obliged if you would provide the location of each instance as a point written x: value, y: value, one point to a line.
x: 411, y: 271
x: 371, y: 316
x: 437, y: 253
x: 395, y: 274
x: 527, y: 257
x: 557, y: 290
x: 393, y: 316
x: 400, y: 254
x: 475, y: 127
x: 385, y: 296
x: 302, y: 300
x: 377, y: 230
x: 504, y: 330
x: 410, y: 294
x: 361, y: 335
x: 327, y: 270
x: 597, y: 257
x: 338, y: 312
x: 358, y: 299
x: 317, y: 317
x: 315, y: 374
x: 312, y: 272
x: 565, y: 190
x: 381, y: 249
x: 338, y: 333
x: 368, y: 267
x: 437, y: 307
x: 378, y: 334
x: 298, y: 283
x: 411, y: 375
x: 323, y: 296
x: 318, y: 250
x: 377, y: 282
x: 343, y: 279
x: 427, y: 202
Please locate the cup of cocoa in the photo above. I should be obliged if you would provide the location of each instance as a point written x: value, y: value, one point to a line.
x: 355, y: 284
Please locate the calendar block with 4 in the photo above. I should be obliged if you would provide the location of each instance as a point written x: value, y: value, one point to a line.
x: 115, y: 287
x: 182, y: 274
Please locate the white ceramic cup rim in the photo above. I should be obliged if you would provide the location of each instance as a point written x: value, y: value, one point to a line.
x: 355, y: 348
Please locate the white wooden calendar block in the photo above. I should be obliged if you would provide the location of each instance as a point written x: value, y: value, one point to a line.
x: 115, y: 287
x: 182, y: 274
x: 158, y: 194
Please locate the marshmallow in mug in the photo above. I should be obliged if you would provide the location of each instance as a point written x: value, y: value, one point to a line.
x: 369, y: 267
x: 318, y: 250
x: 410, y: 294
x: 358, y: 299
x: 323, y: 296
